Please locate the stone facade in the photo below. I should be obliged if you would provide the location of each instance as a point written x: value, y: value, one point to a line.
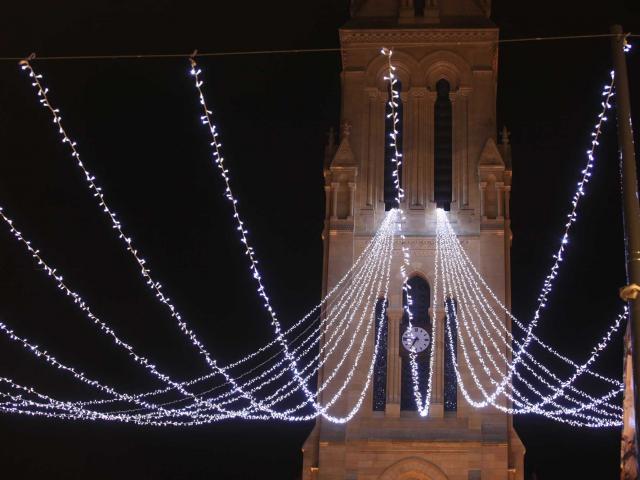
x: 432, y: 40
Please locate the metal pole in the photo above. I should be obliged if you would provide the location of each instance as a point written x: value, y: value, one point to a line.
x: 631, y: 208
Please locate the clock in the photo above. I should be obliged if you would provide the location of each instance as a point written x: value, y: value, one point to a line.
x: 415, y: 339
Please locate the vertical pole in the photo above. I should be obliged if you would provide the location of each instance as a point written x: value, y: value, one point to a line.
x: 631, y: 208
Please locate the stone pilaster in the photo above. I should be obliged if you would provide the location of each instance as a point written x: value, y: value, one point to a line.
x: 500, y: 200
x: 394, y: 364
x: 334, y: 200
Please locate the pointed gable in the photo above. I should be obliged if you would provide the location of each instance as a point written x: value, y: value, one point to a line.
x: 490, y: 156
x: 344, y: 155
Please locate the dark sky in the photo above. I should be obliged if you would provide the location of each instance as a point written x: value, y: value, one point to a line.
x: 136, y: 122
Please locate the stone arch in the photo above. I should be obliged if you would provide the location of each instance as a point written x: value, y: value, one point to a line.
x: 419, y: 273
x: 406, y: 68
x: 445, y: 65
x: 413, y: 468
x: 416, y: 271
x: 423, y: 276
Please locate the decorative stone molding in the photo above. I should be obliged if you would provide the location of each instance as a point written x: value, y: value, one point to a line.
x: 422, y: 36
x: 378, y: 69
x: 424, y: 243
x: 423, y: 72
x: 413, y: 468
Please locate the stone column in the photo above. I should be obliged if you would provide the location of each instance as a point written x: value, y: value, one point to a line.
x: 352, y: 199
x: 437, y: 404
x: 334, y: 200
x: 374, y: 120
x: 429, y: 145
x: 454, y: 98
x: 483, y: 188
x: 500, y: 200
x: 460, y: 154
x: 327, y: 201
x: 394, y: 364
x: 414, y: 147
x: 380, y: 140
x: 507, y: 198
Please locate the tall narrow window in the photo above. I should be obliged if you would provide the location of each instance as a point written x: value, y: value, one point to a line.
x: 380, y: 367
x: 390, y: 193
x: 418, y: 8
x: 450, y: 356
x: 443, y: 142
x: 420, y: 340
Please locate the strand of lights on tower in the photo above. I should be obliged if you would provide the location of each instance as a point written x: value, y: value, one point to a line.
x: 396, y: 159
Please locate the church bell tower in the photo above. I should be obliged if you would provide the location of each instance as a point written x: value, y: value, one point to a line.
x: 446, y: 54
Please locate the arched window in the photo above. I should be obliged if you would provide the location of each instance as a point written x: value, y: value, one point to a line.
x: 442, y: 150
x: 380, y: 367
x: 389, y: 151
x: 420, y: 301
x: 450, y: 350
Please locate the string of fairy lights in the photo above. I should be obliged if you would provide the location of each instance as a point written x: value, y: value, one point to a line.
x: 339, y: 339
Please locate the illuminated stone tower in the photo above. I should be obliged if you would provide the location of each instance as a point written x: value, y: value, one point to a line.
x: 447, y: 59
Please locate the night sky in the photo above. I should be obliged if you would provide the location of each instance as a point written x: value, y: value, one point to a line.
x: 137, y: 126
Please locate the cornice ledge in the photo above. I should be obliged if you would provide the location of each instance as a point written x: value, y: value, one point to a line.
x: 418, y: 35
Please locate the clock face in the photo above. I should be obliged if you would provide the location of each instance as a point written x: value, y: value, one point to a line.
x: 415, y: 339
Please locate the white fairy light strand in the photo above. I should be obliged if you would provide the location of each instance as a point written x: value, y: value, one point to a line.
x: 249, y: 251
x: 572, y: 216
x: 90, y: 179
x: 586, y: 174
x: 459, y: 267
x: 460, y: 287
x: 591, y: 421
x: 42, y: 92
x: 396, y: 159
x: 52, y: 271
x: 328, y: 320
x: 384, y: 256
